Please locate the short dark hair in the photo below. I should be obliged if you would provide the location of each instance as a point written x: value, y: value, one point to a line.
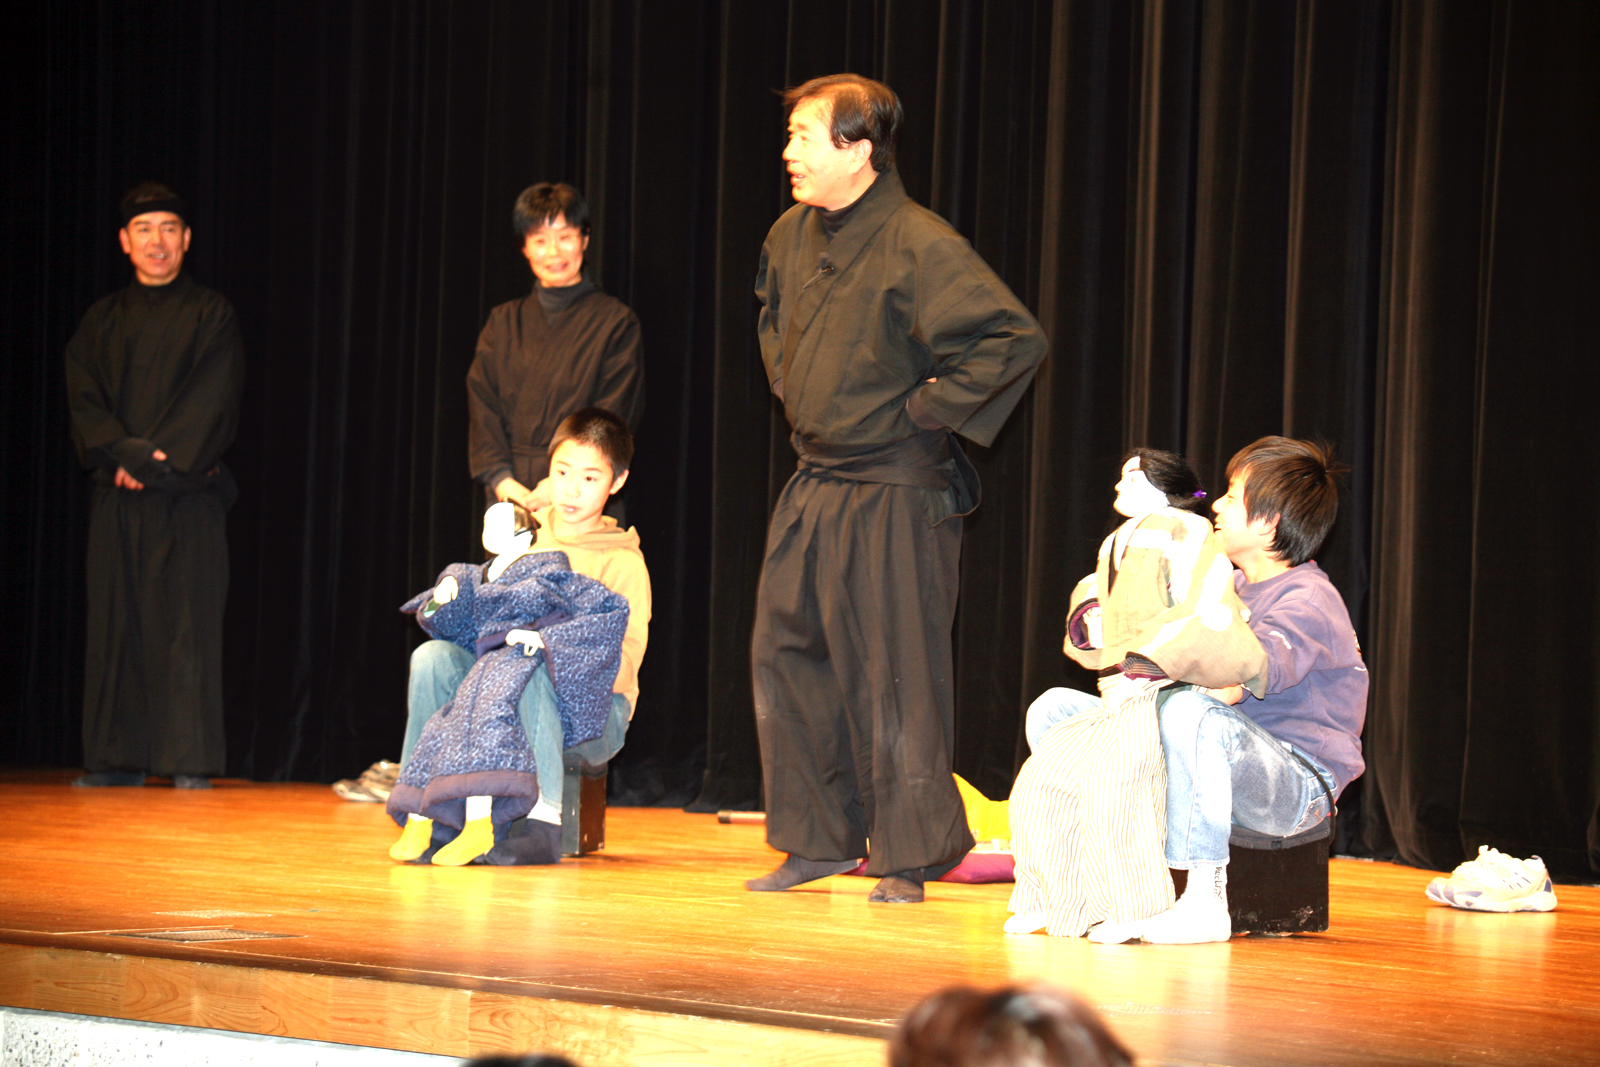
x: 1170, y: 473
x: 1026, y: 1026
x: 1296, y: 481
x: 861, y: 109
x: 539, y: 204
x: 159, y: 197
x: 599, y: 429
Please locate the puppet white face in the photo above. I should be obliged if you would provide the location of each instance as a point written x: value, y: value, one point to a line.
x: 500, y: 530
x: 1136, y: 497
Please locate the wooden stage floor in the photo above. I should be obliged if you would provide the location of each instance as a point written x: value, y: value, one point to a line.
x: 652, y: 952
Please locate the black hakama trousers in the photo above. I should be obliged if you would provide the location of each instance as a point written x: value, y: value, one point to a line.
x: 157, y: 581
x: 851, y: 662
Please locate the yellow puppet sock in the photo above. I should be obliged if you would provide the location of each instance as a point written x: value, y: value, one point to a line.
x: 414, y: 839
x: 476, y: 838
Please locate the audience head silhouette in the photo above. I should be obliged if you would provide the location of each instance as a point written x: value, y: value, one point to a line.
x: 1018, y: 1026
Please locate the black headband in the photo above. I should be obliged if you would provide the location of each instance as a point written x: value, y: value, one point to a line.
x: 175, y: 205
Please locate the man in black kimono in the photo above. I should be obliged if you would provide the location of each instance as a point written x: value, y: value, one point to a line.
x: 564, y: 347
x: 153, y: 383
x: 883, y: 334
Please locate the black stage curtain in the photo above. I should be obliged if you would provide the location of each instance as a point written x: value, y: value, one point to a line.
x: 1371, y: 221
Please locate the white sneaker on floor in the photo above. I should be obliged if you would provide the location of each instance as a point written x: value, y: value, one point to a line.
x: 1191, y: 921
x: 1496, y: 882
x: 374, y: 785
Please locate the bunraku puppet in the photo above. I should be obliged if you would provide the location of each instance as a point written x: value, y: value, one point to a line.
x: 473, y: 768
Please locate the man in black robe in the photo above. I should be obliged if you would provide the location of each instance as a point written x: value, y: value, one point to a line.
x: 883, y: 334
x: 564, y: 347
x: 153, y: 375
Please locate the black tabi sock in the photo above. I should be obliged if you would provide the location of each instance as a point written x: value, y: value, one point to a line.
x: 796, y: 871
x: 901, y: 887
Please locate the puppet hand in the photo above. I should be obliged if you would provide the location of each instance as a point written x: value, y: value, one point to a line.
x: 530, y: 640
x: 1227, y: 695
x: 446, y: 590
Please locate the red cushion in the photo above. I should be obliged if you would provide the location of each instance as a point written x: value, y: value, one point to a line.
x: 976, y: 867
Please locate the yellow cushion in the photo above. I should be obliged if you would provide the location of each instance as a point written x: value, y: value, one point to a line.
x: 988, y: 819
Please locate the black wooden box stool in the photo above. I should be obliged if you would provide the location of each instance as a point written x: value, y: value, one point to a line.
x: 583, y: 806
x: 1279, y: 885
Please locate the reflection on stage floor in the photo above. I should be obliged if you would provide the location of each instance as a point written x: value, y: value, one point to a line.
x: 275, y: 909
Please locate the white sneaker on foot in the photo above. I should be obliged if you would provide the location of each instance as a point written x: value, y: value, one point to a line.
x: 1496, y: 882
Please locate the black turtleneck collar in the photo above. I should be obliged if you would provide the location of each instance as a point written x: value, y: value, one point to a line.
x: 156, y: 294
x: 556, y: 300
x: 833, y: 221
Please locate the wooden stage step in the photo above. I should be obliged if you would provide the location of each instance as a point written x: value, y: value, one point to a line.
x: 651, y: 952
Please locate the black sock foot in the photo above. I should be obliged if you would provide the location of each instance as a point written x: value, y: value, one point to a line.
x: 795, y: 871
x: 902, y: 887
x: 103, y: 778
x: 539, y: 843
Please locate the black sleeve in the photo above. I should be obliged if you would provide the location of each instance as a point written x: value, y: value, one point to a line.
x: 200, y: 421
x: 95, y: 426
x: 621, y: 386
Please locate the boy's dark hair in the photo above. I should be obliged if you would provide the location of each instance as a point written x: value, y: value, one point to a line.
x: 1297, y: 481
x: 601, y: 430
x: 1170, y: 473
x: 1019, y: 1026
x: 862, y: 109
x: 539, y: 204
x: 151, y: 196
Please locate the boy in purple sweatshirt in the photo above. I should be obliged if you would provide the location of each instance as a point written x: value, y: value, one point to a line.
x: 1267, y: 764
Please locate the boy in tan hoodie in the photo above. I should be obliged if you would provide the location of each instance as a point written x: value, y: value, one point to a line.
x: 589, y: 458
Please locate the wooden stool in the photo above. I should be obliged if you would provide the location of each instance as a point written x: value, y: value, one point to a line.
x: 1279, y: 885
x: 583, y: 807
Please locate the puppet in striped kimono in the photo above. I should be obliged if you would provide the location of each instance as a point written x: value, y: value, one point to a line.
x: 1088, y: 811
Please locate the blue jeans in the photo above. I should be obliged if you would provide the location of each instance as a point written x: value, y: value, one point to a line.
x: 1222, y: 769
x: 438, y: 667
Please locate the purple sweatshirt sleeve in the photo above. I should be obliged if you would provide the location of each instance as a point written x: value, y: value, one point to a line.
x: 1316, y: 696
x: 1294, y: 633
